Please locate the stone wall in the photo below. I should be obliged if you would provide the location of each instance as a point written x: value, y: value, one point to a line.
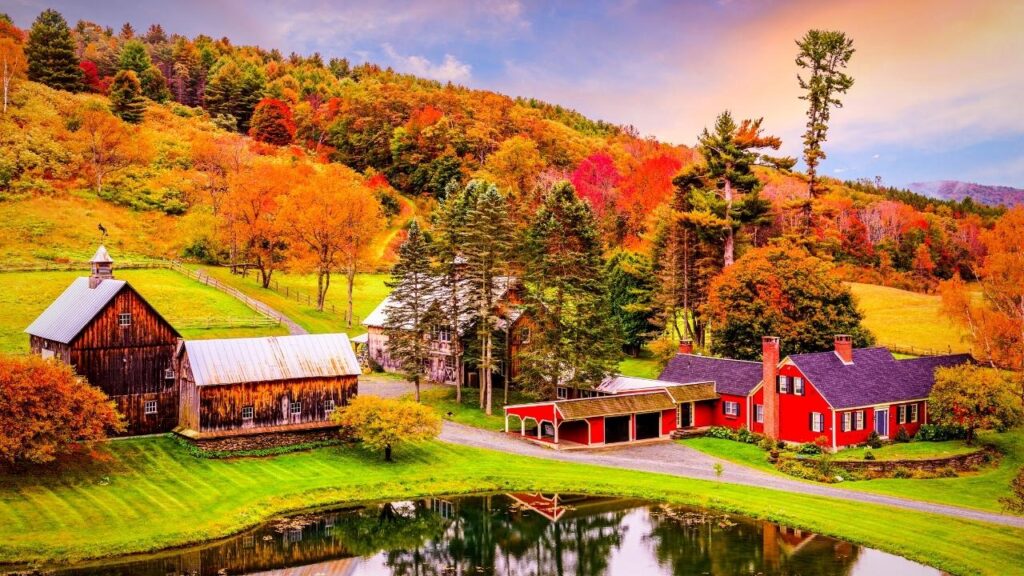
x: 960, y: 463
x: 265, y: 440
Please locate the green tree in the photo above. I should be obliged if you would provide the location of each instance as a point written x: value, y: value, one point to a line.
x: 976, y: 398
x: 234, y: 89
x: 575, y: 342
x: 783, y: 291
x: 134, y: 57
x: 50, y: 52
x: 413, y: 313
x: 154, y: 84
x: 126, y: 101
x: 825, y: 53
x: 630, y: 288
x: 488, y: 253
x: 381, y: 423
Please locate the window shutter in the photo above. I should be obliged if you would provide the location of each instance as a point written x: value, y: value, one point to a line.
x: 778, y: 384
x: 812, y: 421
x: 724, y: 409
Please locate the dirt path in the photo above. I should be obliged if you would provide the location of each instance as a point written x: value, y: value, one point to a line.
x: 678, y: 460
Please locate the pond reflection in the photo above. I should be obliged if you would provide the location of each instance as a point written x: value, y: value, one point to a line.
x: 516, y: 534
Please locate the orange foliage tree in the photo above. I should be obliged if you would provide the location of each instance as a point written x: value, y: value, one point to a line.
x: 996, y: 321
x: 12, y: 65
x: 108, y: 145
x: 251, y: 213
x: 332, y: 216
x: 272, y: 123
x: 45, y: 409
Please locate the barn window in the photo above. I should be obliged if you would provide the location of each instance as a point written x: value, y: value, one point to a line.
x: 759, y: 413
x: 296, y: 408
x: 524, y: 335
x: 150, y: 407
x: 247, y: 412
x: 169, y: 374
x: 561, y: 392
x: 329, y: 405
x: 817, y: 422
x: 798, y: 386
x: 124, y: 319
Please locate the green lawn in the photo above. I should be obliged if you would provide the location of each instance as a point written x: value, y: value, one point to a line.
x: 981, y: 490
x: 910, y: 451
x: 642, y: 366
x: 369, y: 290
x: 908, y: 320
x: 469, y: 412
x: 24, y: 295
x: 149, y: 493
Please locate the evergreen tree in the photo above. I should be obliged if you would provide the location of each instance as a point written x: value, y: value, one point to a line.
x: 126, y: 101
x: 825, y: 53
x: 134, y: 57
x: 234, y: 89
x: 412, y: 313
x: 50, y: 52
x: 630, y: 287
x: 487, y: 250
x: 575, y: 343
x: 154, y: 85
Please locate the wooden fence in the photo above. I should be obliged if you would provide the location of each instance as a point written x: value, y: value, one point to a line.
x: 204, y: 278
x: 215, y: 323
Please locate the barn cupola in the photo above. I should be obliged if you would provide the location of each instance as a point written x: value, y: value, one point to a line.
x: 102, y: 267
x: 844, y: 348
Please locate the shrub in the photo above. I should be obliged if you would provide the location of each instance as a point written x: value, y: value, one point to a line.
x: 902, y: 435
x: 940, y: 432
x: 719, y: 432
x: 780, y: 445
x: 746, y: 436
x: 874, y: 440
x: 1015, y: 502
x: 766, y: 444
x: 901, y: 472
x: 946, y: 472
x: 869, y: 455
x: 809, y: 449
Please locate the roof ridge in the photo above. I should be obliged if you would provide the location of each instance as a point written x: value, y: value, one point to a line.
x: 719, y: 358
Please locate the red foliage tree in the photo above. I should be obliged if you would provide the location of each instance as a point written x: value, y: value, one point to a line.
x: 272, y: 122
x: 45, y: 409
x: 645, y: 188
x: 92, y: 78
x: 595, y: 180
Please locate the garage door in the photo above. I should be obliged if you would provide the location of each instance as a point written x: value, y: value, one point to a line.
x: 616, y: 429
x: 648, y: 426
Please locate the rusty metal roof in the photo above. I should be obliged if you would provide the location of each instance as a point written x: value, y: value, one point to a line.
x: 269, y: 359
x: 615, y: 405
x: 692, y: 392
x: 72, y: 311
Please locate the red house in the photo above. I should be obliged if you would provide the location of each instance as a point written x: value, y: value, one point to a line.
x: 843, y: 395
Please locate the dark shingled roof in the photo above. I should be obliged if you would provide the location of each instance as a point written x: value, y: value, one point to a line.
x: 692, y: 392
x: 614, y: 405
x: 874, y: 377
x: 737, y: 377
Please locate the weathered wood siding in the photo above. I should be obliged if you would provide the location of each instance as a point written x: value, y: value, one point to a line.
x: 188, y: 404
x: 220, y: 406
x: 127, y: 362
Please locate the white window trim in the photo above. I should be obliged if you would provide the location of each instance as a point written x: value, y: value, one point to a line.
x: 292, y: 406
x: 914, y: 413
x: 329, y: 405
x: 847, y: 421
x: 735, y: 408
x: 817, y: 422
x: 783, y: 384
x: 154, y: 404
x: 252, y: 412
x: 561, y: 392
x: 124, y: 319
x: 796, y: 380
x: 858, y: 420
x: 759, y: 413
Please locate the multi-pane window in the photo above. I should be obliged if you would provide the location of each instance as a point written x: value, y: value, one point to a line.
x: 329, y: 405
x: 759, y: 413
x: 247, y: 412
x: 798, y: 386
x: 444, y: 335
x: 296, y: 408
x: 901, y: 414
x: 913, y: 412
x: 817, y: 422
x: 150, y: 407
x: 783, y: 384
x: 561, y: 392
x: 524, y: 335
x: 847, y: 421
x: 124, y: 319
x: 731, y: 408
x: 169, y: 374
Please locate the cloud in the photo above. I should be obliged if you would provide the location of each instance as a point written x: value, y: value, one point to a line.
x: 839, y: 170
x: 451, y: 69
x: 876, y: 156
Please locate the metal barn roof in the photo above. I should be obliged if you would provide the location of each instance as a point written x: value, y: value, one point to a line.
x: 238, y: 360
x: 619, y: 384
x: 102, y: 256
x: 74, y: 309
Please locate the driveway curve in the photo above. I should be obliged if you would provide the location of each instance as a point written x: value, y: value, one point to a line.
x: 678, y: 460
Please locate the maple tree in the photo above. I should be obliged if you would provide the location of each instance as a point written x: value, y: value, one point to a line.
x: 272, y: 123
x: 383, y: 423
x: 976, y: 398
x: 107, y: 145
x: 251, y: 212
x: 46, y: 410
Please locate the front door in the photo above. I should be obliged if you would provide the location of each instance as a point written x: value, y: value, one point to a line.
x: 684, y: 415
x: 882, y: 422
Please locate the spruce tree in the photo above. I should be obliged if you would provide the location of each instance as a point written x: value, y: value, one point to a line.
x: 50, y: 52
x: 126, y: 101
x: 234, y: 90
x: 575, y: 342
x: 412, y: 313
x: 630, y: 286
x: 134, y: 57
x: 487, y: 249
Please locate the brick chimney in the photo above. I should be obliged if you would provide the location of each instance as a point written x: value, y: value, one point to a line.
x: 769, y: 373
x: 686, y: 346
x: 102, y: 267
x: 844, y: 348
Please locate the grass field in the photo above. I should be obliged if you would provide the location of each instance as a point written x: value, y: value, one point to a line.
x: 981, y: 490
x: 910, y: 451
x: 908, y: 320
x: 24, y: 295
x: 368, y: 292
x: 469, y: 412
x: 149, y: 493
x: 642, y: 366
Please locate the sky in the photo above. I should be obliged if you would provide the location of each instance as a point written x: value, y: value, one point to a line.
x: 938, y: 92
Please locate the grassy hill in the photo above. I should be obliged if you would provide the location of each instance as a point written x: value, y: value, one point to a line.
x: 908, y: 321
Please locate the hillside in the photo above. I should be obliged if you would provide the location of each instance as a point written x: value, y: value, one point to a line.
x: 983, y: 194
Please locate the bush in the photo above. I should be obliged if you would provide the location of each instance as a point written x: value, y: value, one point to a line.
x: 869, y: 455
x: 874, y: 441
x: 719, y: 432
x: 747, y: 437
x: 901, y: 472
x: 809, y: 449
x: 780, y: 445
x: 947, y: 472
x: 766, y: 444
x: 940, y: 433
x: 902, y: 435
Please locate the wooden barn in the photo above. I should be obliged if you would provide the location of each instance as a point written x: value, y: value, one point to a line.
x: 114, y: 338
x: 248, y: 386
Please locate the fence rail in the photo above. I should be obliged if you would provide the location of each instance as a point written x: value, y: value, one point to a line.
x: 216, y: 323
x: 204, y: 278
x: 76, y: 266
x: 916, y: 350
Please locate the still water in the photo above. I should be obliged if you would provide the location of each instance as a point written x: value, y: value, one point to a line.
x: 517, y: 534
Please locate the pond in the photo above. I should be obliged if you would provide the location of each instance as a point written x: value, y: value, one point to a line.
x: 512, y: 534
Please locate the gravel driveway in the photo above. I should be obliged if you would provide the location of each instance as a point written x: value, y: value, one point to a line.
x: 679, y: 460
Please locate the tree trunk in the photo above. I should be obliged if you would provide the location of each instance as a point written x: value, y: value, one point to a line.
x: 351, y: 281
x: 730, y: 236
x: 387, y: 452
x: 7, y: 84
x: 490, y: 374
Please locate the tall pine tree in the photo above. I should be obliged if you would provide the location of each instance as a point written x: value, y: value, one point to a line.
x: 487, y: 250
x: 412, y: 313
x: 50, y: 52
x: 630, y: 286
x: 126, y: 101
x: 575, y: 342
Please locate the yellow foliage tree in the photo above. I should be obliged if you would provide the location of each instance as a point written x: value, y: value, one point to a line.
x: 108, y: 145
x: 252, y: 213
x: 12, y: 65
x: 382, y: 424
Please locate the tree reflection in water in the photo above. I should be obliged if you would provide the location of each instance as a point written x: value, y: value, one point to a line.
x: 513, y: 534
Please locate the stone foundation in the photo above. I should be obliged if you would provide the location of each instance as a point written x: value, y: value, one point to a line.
x: 264, y: 440
x: 960, y: 463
